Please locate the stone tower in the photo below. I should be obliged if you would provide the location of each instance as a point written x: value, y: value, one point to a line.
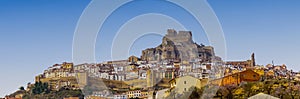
x: 253, y: 59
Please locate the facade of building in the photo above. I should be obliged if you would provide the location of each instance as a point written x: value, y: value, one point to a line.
x: 121, y: 96
x: 183, y: 84
x: 237, y: 78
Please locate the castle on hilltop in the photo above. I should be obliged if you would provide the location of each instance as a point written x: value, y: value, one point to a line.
x: 179, y: 46
x: 181, y: 36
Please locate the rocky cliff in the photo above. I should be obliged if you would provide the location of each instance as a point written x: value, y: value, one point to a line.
x: 178, y: 46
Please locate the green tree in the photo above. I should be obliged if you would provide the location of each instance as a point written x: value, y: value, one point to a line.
x: 40, y: 87
x: 239, y: 93
x: 221, y: 93
x: 230, y: 89
x: 21, y: 88
x: 196, y: 93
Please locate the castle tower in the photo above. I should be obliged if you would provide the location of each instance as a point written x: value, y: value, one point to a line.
x: 253, y: 59
x: 171, y: 33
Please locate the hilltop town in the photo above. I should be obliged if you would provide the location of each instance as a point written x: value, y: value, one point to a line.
x: 169, y: 70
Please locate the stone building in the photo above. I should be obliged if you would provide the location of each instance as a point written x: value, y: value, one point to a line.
x: 243, y: 64
x: 183, y: 84
x: 237, y: 78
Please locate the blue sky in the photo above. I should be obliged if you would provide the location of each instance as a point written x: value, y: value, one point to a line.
x: 38, y: 33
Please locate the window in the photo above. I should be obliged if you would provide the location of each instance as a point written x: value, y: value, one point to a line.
x: 254, y: 76
x: 184, y: 89
x: 184, y: 82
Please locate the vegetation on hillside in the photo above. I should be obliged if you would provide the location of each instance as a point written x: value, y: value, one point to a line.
x: 42, y: 91
x: 281, y: 88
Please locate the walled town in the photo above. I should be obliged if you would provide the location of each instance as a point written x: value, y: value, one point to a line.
x: 177, y: 68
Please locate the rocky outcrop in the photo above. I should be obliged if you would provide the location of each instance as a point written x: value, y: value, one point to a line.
x: 178, y: 46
